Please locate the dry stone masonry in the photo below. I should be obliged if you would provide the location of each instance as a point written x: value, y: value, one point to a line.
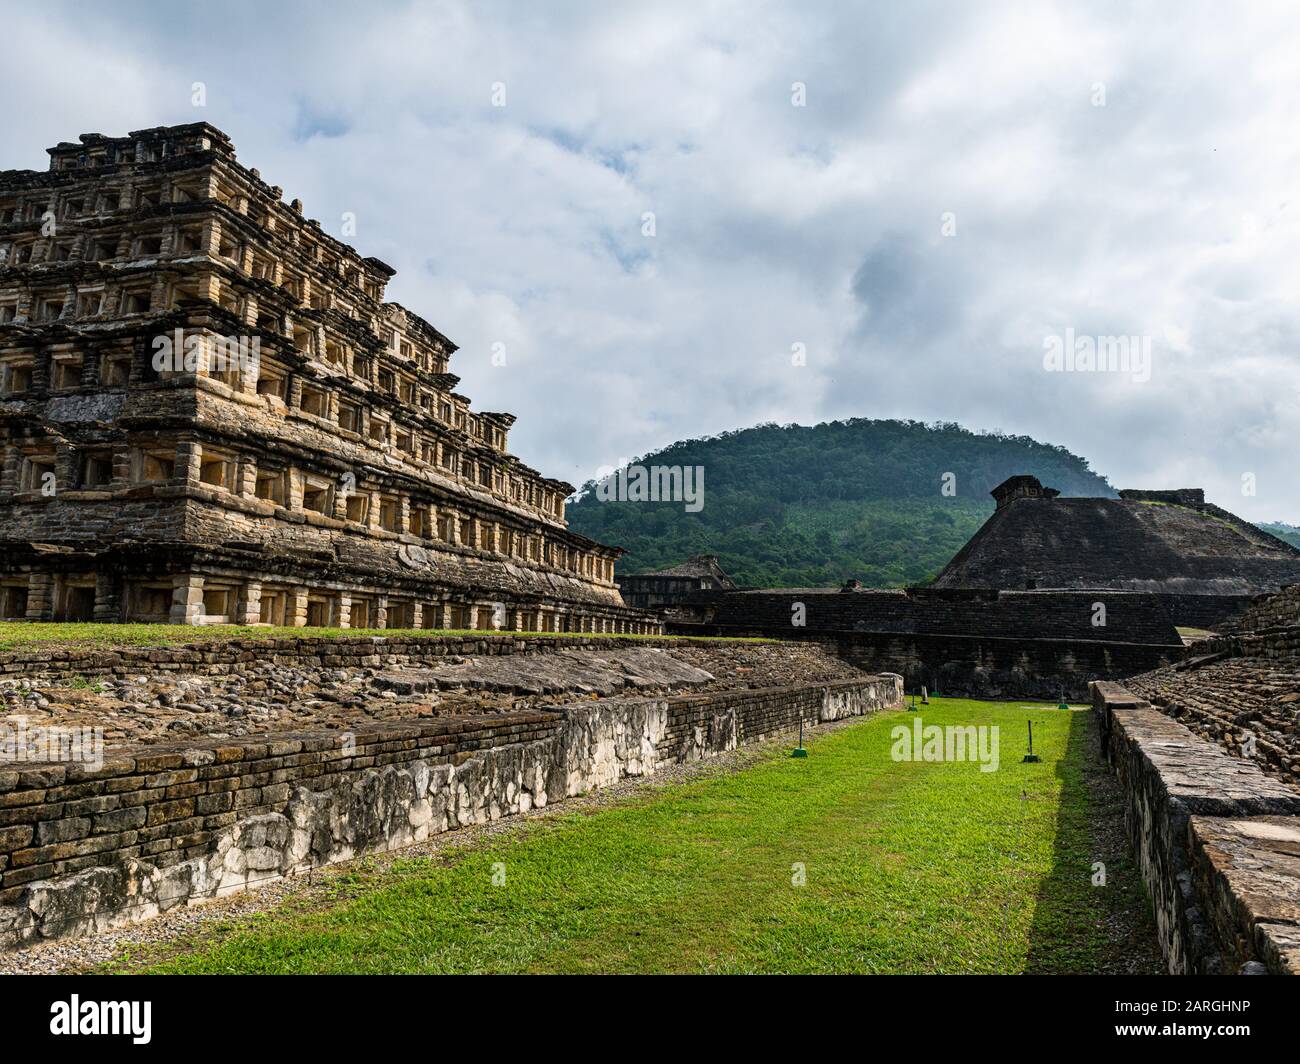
x: 1205, y: 563
x: 1241, y: 692
x: 209, y: 413
x: 1208, y: 754
x: 85, y: 849
x: 1275, y: 611
x: 983, y: 644
x: 1217, y: 841
x: 246, y: 687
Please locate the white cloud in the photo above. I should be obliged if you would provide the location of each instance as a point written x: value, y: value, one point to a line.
x: 1170, y: 211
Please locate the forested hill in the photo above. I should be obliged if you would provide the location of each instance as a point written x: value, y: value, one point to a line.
x: 1290, y: 533
x: 797, y: 506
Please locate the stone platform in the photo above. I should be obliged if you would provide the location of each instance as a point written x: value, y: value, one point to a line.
x: 83, y: 850
x: 1217, y: 840
x: 161, y: 695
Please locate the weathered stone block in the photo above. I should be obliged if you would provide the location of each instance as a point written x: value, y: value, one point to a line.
x: 50, y: 831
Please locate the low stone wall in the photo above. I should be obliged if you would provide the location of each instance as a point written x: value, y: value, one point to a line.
x: 978, y: 666
x: 1280, y: 645
x: 991, y: 667
x: 219, y: 657
x: 1274, y: 611
x: 1218, y: 842
x: 1131, y: 617
x: 83, y: 850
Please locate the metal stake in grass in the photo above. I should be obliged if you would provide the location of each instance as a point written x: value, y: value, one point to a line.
x: 799, y: 751
x: 1031, y: 756
x: 912, y: 707
x: 1063, y: 704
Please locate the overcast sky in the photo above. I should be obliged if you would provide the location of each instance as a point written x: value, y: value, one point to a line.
x: 953, y: 186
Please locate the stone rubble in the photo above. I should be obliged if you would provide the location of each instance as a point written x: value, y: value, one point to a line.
x: 1249, y: 706
x: 167, y: 707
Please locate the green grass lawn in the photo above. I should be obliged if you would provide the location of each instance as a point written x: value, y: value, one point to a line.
x: 910, y: 867
x: 19, y: 635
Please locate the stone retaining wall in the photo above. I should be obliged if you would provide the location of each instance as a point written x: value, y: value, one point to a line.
x: 979, y: 666
x: 1130, y: 617
x: 1218, y: 842
x: 1281, y: 645
x: 991, y: 667
x: 218, y: 657
x: 83, y: 850
x: 1275, y: 611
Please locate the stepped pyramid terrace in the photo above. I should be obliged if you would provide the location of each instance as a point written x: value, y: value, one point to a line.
x: 210, y: 414
x: 1203, y: 562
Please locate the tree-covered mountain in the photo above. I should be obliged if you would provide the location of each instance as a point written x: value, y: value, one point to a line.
x: 799, y: 506
x: 1290, y: 533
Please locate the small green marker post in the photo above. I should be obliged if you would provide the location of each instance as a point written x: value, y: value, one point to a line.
x: 799, y: 751
x: 1031, y: 756
x: 912, y: 707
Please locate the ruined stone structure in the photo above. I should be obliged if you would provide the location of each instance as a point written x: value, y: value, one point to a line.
x: 1036, y: 569
x: 982, y: 644
x: 208, y: 413
x: 87, y: 847
x: 1241, y: 690
x: 1049, y: 595
x: 1204, y: 563
x: 1017, y: 615
x: 667, y: 587
x: 1216, y: 840
x: 1277, y: 611
x: 1208, y: 756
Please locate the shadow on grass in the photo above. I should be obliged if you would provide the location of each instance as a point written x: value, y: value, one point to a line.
x: 1091, y: 913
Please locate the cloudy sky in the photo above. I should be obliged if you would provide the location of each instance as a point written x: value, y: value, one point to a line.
x: 873, y: 210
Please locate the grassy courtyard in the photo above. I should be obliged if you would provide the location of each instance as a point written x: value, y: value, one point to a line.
x: 847, y: 861
x: 25, y: 635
